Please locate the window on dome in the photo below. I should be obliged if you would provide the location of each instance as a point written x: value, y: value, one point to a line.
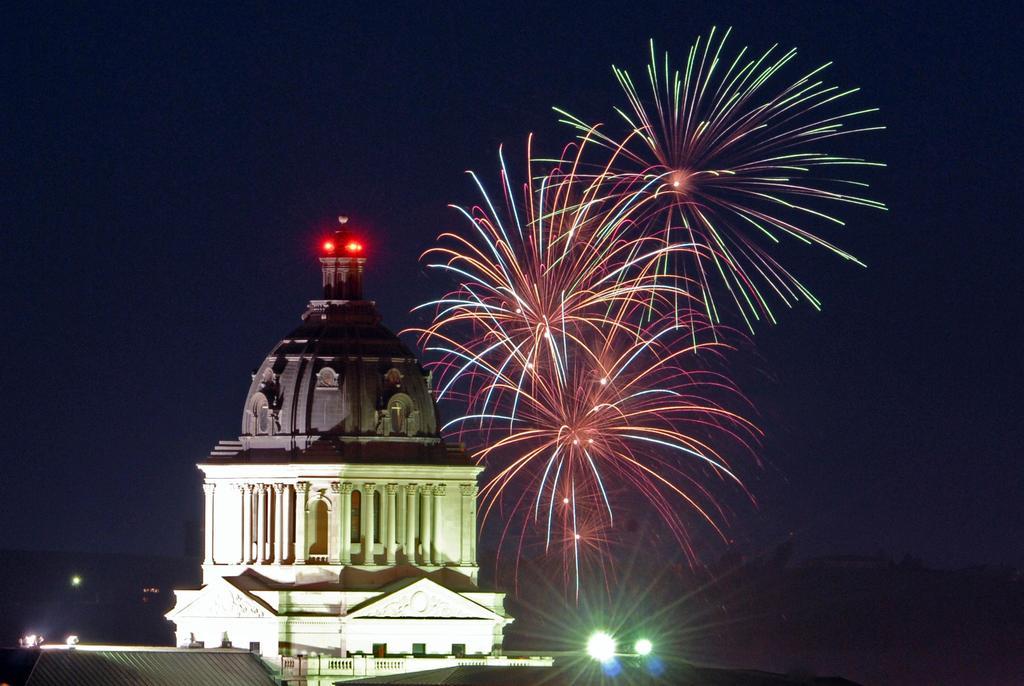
x: 397, y: 419
x: 260, y: 421
x: 400, y: 407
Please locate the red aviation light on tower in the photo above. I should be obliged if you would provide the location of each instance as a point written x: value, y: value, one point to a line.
x: 353, y: 247
x: 327, y: 246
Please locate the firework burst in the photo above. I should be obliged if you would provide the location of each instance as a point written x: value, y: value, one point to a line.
x: 576, y: 357
x: 730, y: 162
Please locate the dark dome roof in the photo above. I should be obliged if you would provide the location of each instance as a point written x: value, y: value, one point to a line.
x: 341, y: 373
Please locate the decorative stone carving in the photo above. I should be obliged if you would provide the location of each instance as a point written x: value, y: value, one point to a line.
x: 391, y: 489
x: 327, y: 378
x: 279, y: 488
x: 421, y: 603
x: 270, y: 387
x: 335, y: 487
x: 468, y: 490
x: 224, y: 603
x: 208, y: 488
x: 302, y: 487
x: 393, y: 378
x: 440, y: 489
x: 265, y: 405
x: 347, y: 487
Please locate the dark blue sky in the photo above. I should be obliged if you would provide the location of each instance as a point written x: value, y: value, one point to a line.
x: 166, y: 172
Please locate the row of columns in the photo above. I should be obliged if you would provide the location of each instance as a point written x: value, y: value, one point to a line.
x: 268, y: 535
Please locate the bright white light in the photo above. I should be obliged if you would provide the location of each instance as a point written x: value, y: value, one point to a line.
x: 565, y: 501
x: 601, y: 647
x: 31, y: 641
x: 71, y: 640
x: 604, y: 381
x: 643, y: 647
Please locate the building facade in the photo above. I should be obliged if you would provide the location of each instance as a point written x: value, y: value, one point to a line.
x: 339, y: 523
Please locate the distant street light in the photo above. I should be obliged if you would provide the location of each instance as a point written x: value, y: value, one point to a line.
x: 76, y: 580
x: 643, y: 647
x: 601, y: 647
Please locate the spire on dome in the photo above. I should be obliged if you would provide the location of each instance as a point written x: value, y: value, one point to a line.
x: 342, y: 260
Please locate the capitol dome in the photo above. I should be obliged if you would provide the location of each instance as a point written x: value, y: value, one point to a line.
x: 341, y: 386
x: 339, y: 523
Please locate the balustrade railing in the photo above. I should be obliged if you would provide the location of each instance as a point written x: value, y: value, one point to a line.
x: 366, y: 665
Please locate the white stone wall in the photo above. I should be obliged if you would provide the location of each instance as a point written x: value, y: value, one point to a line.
x: 359, y: 635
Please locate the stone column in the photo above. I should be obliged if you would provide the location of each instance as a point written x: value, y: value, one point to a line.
x: 399, y: 520
x: 247, y: 512
x: 261, y: 523
x: 389, y: 544
x: 438, y: 521
x: 368, y: 498
x: 278, y: 546
x: 346, y: 523
x: 410, y: 523
x: 240, y: 487
x: 426, y: 490
x: 208, y: 490
x: 468, y: 492
x: 286, y: 518
x: 301, y: 500
x: 333, y: 547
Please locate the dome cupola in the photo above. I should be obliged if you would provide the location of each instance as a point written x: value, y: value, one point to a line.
x: 341, y: 377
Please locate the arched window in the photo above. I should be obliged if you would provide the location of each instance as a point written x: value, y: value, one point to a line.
x: 357, y: 517
x: 259, y: 423
x: 400, y: 407
x: 376, y: 517
x: 320, y: 527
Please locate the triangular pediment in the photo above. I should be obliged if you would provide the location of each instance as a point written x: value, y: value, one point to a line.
x: 221, y: 599
x: 422, y: 599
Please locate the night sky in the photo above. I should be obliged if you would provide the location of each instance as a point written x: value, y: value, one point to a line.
x: 166, y: 174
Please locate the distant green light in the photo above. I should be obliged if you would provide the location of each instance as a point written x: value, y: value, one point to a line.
x: 601, y: 647
x: 643, y: 647
x: 76, y: 581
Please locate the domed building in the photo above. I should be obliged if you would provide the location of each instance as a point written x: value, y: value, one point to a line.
x: 339, y: 522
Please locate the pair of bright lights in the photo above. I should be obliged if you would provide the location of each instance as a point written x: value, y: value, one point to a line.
x: 350, y: 247
x: 601, y: 646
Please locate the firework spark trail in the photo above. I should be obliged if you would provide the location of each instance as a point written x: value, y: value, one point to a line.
x: 576, y: 357
x: 730, y: 160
